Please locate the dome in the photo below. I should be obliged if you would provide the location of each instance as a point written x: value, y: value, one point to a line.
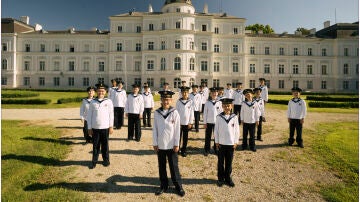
x: 177, y: 1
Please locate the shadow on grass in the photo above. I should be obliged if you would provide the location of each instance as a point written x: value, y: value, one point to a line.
x: 52, y: 140
x: 117, y: 184
x: 81, y: 138
x: 133, y: 152
x: 43, y: 160
x: 69, y: 127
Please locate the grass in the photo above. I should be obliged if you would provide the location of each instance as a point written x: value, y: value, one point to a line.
x: 31, y: 156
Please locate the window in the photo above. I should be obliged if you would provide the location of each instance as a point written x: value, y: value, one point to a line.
x: 138, y: 29
x: 267, y: 68
x: 281, y: 84
x: 203, y: 28
x: 163, y: 64
x: 267, y: 50
x: 56, y: 81
x: 101, y: 66
x: 204, y: 81
x: 346, y: 69
x: 234, y: 81
x: 27, y: 47
x: 192, y: 64
x: 177, y: 44
x: 72, y: 48
x: 151, y: 27
x: 309, y: 84
x: 177, y: 82
x: 192, y: 25
x: 295, y: 69
x: 216, y: 48
x: 86, y: 48
x: 151, y: 45
x: 71, y: 65
x: 27, y: 66
x: 41, y: 81
x: 102, y: 48
x: 178, y: 25
x: 86, y: 66
x: 296, y: 51
x: 235, y: 67
x: 345, y: 85
x: 120, y: 29
x: 252, y: 50
x: 323, y: 52
x: 118, y: 46
x: 4, y: 47
x: 295, y: 84
x: 150, y: 65
x: 323, y: 69
x: 252, y: 83
x: 204, y: 46
x: 56, y: 66
x: 163, y: 27
x: 178, y: 10
x: 177, y: 63
x: 26, y: 81
x: 101, y: 80
x: 235, y: 48
x: 150, y: 81
x: 192, y: 81
x: 216, y: 66
x: 42, y: 66
x: 357, y: 69
x: 118, y: 66
x: 204, y: 66
x: 163, y: 45
x: 138, y: 47
x: 235, y: 30
x: 281, y: 51
x: 216, y: 82
x: 162, y: 81
x: 309, y: 69
x: 216, y: 30
x: 281, y: 69
x: 252, y: 68
x: 267, y: 83
x: 357, y: 85
x: 191, y: 45
x: 346, y: 52
x: 42, y: 47
x: 3, y: 81
x: 57, y: 48
x: 309, y: 51
x: 4, y: 64
x: 137, y: 66
x: 323, y: 84
x: 86, y: 81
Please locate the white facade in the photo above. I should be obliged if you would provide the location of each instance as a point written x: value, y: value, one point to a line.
x: 178, y: 44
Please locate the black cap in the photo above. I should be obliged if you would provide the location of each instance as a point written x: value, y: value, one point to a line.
x: 90, y: 88
x: 249, y: 90
x: 194, y: 86
x: 135, y: 85
x: 101, y: 86
x: 238, y: 83
x: 166, y: 84
x: 184, y: 88
x: 146, y: 87
x: 220, y: 88
x: 228, y: 84
x: 214, y: 89
x: 119, y: 81
x: 262, y: 79
x: 166, y: 94
x: 112, y: 80
x: 183, y: 81
x: 257, y: 89
x: 226, y: 101
x: 297, y: 89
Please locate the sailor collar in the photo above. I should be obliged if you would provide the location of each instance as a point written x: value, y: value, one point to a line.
x: 186, y: 101
x: 223, y: 116
x: 144, y: 93
x: 165, y: 114
x: 100, y: 101
x: 249, y: 104
x: 296, y: 100
x: 88, y: 100
x: 213, y: 101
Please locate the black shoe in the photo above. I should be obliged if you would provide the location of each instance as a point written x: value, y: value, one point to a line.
x: 183, y: 154
x: 197, y: 130
x: 106, y: 163
x: 160, y: 191
x: 92, y: 166
x: 206, y: 153
x: 253, y: 149
x: 219, y: 183
x: 137, y: 140
x: 301, y: 145
x: 259, y: 139
x: 230, y: 183
x: 181, y: 192
x: 149, y: 126
x: 244, y: 148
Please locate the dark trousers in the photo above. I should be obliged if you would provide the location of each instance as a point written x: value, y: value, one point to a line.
x: 147, y: 117
x: 295, y: 124
x: 226, y: 154
x: 134, y: 127
x: 118, y: 117
x: 237, y: 110
x: 87, y: 137
x: 209, y: 130
x: 248, y: 128
x: 184, y: 135
x: 197, y: 120
x: 259, y: 128
x: 100, y: 138
x: 174, y: 168
x: 202, y: 108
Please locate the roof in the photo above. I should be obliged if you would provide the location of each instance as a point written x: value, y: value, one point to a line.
x: 177, y: 1
x: 339, y: 30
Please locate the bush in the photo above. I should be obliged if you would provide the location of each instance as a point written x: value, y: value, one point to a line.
x: 26, y: 101
x: 69, y: 100
x: 334, y: 104
x: 333, y: 99
x: 282, y: 102
x: 19, y: 94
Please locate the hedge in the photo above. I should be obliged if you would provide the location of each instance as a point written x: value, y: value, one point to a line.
x: 19, y: 94
x: 333, y: 99
x: 334, y: 104
x: 282, y: 102
x: 69, y: 100
x: 26, y: 101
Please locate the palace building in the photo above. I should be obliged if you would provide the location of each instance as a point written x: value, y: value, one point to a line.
x: 178, y: 44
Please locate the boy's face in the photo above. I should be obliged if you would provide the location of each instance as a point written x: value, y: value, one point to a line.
x: 213, y: 94
x: 91, y: 93
x: 136, y: 90
x: 146, y: 89
x: 166, y: 102
x: 114, y: 83
x: 120, y: 85
x: 166, y: 86
x: 296, y: 94
x: 262, y: 82
x: 221, y: 92
x: 227, y: 108
x: 249, y: 96
x: 185, y: 94
x: 239, y: 86
x: 101, y: 93
x: 194, y: 90
x: 257, y: 93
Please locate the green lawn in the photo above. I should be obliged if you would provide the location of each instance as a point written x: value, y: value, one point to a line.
x: 32, y: 155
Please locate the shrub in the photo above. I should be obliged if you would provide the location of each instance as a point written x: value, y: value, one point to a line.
x: 26, y: 101
x: 333, y: 99
x: 334, y: 104
x: 19, y: 94
x: 69, y: 100
x: 283, y: 102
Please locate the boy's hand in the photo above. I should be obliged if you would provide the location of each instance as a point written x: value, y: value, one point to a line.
x: 82, y: 120
x: 126, y: 115
x: 302, y: 121
x: 257, y: 123
x: 111, y: 130
x: 217, y: 145
x: 176, y: 149
x: 235, y: 145
x: 288, y: 120
x: 140, y: 116
x: 90, y: 132
x: 156, y: 148
x: 189, y: 126
x: 205, y: 125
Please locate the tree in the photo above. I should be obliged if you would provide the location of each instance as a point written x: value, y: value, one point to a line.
x: 303, y: 31
x: 255, y: 28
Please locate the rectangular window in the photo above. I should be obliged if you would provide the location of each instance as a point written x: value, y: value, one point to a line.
x: 323, y: 52
x: 309, y: 51
x: 216, y: 48
x: 138, y: 47
x: 4, y: 64
x: 137, y: 81
x: 295, y: 84
x: 163, y: 64
x: 204, y: 81
x: 42, y: 47
x: 41, y: 81
x: 216, y: 66
x: 101, y: 48
x: 26, y: 81
x: 281, y: 69
x: 235, y: 30
x: 86, y: 66
x: 120, y: 29
x: 204, y: 66
x: 177, y: 44
x: 192, y: 45
x: 150, y: 65
x: 357, y: 69
x: 309, y: 69
x: 71, y: 66
x: 86, y: 81
x: 151, y: 27
x: 101, y: 80
x: 56, y: 81
x: 27, y: 66
x: 281, y: 84
x: 323, y: 84
x: 346, y: 52
x: 309, y: 84
x: 87, y: 48
x: 42, y: 66
x: 56, y: 66
x: 346, y: 69
x: 150, y: 82
x: 151, y: 45
x: 162, y: 81
x: 118, y: 66
x: 235, y: 67
x: 235, y: 48
x: 267, y: 68
x: 252, y: 68
x: 101, y: 66
x: 72, y: 48
x: 57, y: 48
x: 178, y: 25
x: 267, y: 50
x: 281, y: 51
x: 138, y: 29
x: 267, y: 83
x: 252, y: 83
x: 234, y: 81
x: 163, y: 45
x: 204, y: 46
x: 137, y: 66
x: 252, y: 50
x: 323, y: 69
x: 295, y: 69
x: 192, y: 64
x: 27, y: 47
x: 118, y: 46
x: 163, y: 26
x: 345, y: 85
x: 216, y: 30
x: 203, y: 28
x: 216, y: 82
x: 4, y: 47
x: 296, y: 51
x: 3, y: 81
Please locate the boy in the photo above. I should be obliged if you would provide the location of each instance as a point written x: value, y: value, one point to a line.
x: 100, y: 120
x: 250, y: 114
x: 238, y: 97
x: 184, y: 106
x: 212, y: 108
x: 264, y: 90
x: 84, y: 110
x: 166, y: 137
x: 148, y: 105
x: 296, y: 114
x: 228, y: 91
x: 226, y: 139
x: 197, y: 104
x: 166, y: 87
x: 261, y: 104
x: 143, y: 89
x: 113, y: 88
x: 119, y: 101
x: 183, y: 84
x: 221, y: 93
x: 205, y: 95
x: 134, y: 109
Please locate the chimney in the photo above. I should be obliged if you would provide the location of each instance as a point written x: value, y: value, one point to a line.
x: 38, y: 27
x: 327, y: 24
x: 25, y: 19
x: 151, y: 10
x: 206, y: 8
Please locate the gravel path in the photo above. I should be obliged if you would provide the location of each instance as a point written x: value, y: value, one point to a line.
x: 267, y: 175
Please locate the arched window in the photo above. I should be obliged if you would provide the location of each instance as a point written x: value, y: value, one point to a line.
x: 163, y: 64
x: 177, y: 63
x: 192, y: 64
x: 177, y: 83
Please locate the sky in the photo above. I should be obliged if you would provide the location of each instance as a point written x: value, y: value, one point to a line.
x: 281, y: 15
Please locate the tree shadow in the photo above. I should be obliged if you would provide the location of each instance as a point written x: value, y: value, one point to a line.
x: 51, y: 140
x: 133, y: 152
x: 69, y: 127
x: 43, y: 160
x: 71, y: 119
x: 271, y: 146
